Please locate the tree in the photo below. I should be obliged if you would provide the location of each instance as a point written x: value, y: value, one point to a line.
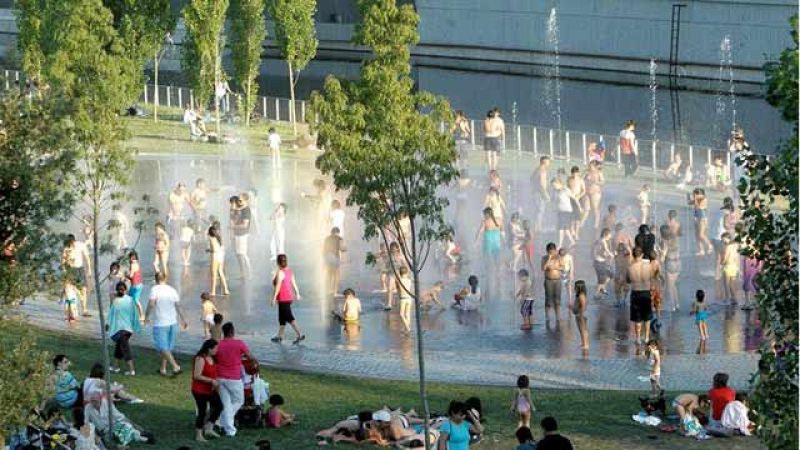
x: 205, y: 22
x: 37, y: 156
x: 383, y: 145
x: 144, y: 26
x: 247, y: 35
x: 23, y: 375
x: 86, y: 67
x: 296, y: 38
x: 769, y: 194
x: 30, y: 14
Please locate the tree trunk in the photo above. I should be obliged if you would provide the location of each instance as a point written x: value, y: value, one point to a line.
x: 155, y: 94
x: 247, y: 100
x: 101, y: 315
x: 291, y: 96
x: 423, y: 391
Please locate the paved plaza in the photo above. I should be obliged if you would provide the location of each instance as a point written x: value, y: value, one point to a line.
x: 482, y: 347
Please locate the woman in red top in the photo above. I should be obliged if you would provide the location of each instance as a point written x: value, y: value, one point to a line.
x: 204, y: 391
x: 135, y: 276
x: 720, y: 395
x: 285, y: 292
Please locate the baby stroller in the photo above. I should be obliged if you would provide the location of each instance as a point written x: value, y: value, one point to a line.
x: 256, y: 392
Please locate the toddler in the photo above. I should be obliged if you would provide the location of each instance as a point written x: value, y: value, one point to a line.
x: 207, y: 315
x: 654, y: 360
x: 70, y: 299
x: 187, y: 237
x: 525, y: 298
x: 700, y: 311
x: 522, y: 404
x: 432, y: 296
x: 276, y: 417
x: 216, y: 329
x: 644, y: 203
x: 114, y: 277
x: 352, y: 306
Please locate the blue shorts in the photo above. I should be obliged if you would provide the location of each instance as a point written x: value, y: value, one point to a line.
x: 135, y: 291
x: 164, y: 337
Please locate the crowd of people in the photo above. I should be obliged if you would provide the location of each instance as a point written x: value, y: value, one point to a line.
x: 639, y: 270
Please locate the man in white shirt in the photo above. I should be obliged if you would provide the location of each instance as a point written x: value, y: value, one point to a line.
x: 165, y: 308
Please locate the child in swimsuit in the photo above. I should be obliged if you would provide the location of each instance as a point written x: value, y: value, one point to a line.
x: 700, y: 312
x: 522, y: 404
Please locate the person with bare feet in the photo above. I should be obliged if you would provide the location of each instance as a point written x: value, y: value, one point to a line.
x: 641, y: 275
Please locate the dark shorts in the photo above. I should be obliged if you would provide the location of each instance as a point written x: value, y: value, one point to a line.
x: 526, y: 310
x: 552, y: 293
x: 285, y: 313
x: 603, y: 271
x: 492, y: 144
x: 641, y: 306
x: 122, y: 348
x: 77, y: 275
x: 565, y: 220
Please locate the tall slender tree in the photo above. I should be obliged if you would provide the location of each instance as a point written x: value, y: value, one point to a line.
x: 30, y: 14
x: 87, y: 70
x: 203, y: 45
x: 383, y: 145
x: 144, y: 26
x: 296, y: 37
x: 248, y: 32
x: 769, y: 195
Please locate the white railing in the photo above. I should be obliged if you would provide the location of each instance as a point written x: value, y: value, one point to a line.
x: 566, y: 145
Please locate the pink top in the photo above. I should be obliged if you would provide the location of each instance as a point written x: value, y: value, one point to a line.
x: 285, y: 289
x: 229, y: 358
x: 274, y: 418
x: 136, y: 277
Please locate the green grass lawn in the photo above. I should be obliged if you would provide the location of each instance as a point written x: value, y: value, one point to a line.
x: 596, y: 420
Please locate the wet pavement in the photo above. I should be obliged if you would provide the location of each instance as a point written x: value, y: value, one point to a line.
x: 484, y: 346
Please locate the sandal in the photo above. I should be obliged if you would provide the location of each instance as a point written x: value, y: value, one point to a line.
x: 299, y: 339
x: 277, y: 339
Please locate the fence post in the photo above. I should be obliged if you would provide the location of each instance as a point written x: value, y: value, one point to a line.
x: 569, y: 153
x: 672, y: 153
x: 535, y: 143
x: 278, y: 109
x: 583, y: 145
x: 472, y: 135
x: 145, y: 94
x: 691, y: 156
x: 729, y: 162
x: 180, y: 97
x: 708, y: 155
x: 653, y: 156
x: 619, y: 157
x: 264, y: 108
x: 191, y: 97
x: 552, y: 153
x: 519, y: 138
x: 169, y: 97
x: 8, y: 86
x: 302, y: 111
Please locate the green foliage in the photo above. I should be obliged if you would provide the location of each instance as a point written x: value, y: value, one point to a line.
x: 383, y: 144
x: 37, y: 160
x: 142, y: 26
x: 30, y: 15
x: 23, y: 374
x: 203, y: 44
x: 296, y: 37
x: 770, y: 200
x: 247, y: 36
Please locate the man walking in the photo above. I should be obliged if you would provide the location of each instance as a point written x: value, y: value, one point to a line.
x: 629, y: 148
x: 553, y: 267
x: 641, y: 274
x: 164, y: 305
x: 541, y: 190
x: 241, y: 233
x: 229, y: 375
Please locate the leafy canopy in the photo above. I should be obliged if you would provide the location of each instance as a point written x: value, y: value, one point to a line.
x: 205, y: 21
x: 295, y: 33
x: 247, y: 36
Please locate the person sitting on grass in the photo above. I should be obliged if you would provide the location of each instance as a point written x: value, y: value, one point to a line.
x: 276, y: 417
x: 124, y: 431
x: 96, y: 382
x: 86, y: 438
x: 552, y: 440
x: 455, y: 432
x: 64, y: 384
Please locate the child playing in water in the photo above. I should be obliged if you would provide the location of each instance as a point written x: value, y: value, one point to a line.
x: 382, y: 264
x: 654, y: 360
x: 700, y: 311
x: 622, y: 260
x: 216, y: 329
x: 525, y: 298
x: 469, y: 298
x: 522, y: 404
x: 187, y: 237
x: 405, y: 284
x: 70, y: 296
x: 610, y: 219
x: 276, y: 417
x: 208, y: 313
x: 568, y: 274
x: 432, y: 296
x: 351, y: 308
x: 644, y: 203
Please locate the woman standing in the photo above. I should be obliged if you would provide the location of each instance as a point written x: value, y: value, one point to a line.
x: 594, y: 181
x: 278, y: 243
x: 204, y: 391
x: 217, y: 251
x: 579, y: 310
x: 495, y: 201
x: 123, y: 321
x: 135, y: 276
x: 455, y: 432
x: 161, y: 249
x: 671, y: 259
x: 699, y: 201
x: 286, y: 291
x: 462, y: 134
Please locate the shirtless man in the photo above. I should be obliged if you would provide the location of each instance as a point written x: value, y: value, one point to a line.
x: 621, y: 236
x: 641, y: 274
x: 577, y: 186
x: 603, y: 259
x: 494, y: 130
x: 332, y: 249
x: 178, y: 199
x: 552, y: 266
x: 199, y: 201
x: 541, y: 187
